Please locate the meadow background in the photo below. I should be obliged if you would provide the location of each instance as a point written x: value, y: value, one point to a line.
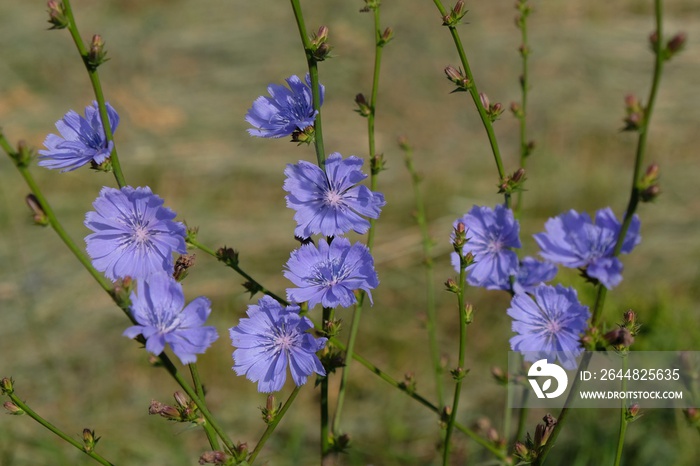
x: 182, y: 75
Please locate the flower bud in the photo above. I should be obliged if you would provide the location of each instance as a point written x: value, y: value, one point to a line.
x: 675, y: 45
x: 96, y: 54
x: 183, y: 263
x: 89, y: 440
x: 468, y: 313
x: 619, y: 338
x: 13, y: 408
x: 632, y: 412
x: 57, y: 15
x: 457, y: 77
x: 651, y: 193
x: 181, y: 400
x: 521, y: 450
x: 484, y: 100
x: 7, y: 386
x: 363, y: 107
x: 385, y: 37
x: 499, y: 375
x: 692, y: 415
x: 228, y: 256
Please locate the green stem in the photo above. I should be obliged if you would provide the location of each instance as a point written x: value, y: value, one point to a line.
x: 97, y: 88
x: 80, y: 446
x: 315, y: 87
x: 357, y: 314
x: 199, y: 390
x: 524, y: 87
x: 523, y: 415
x: 420, y: 399
x: 99, y: 278
x: 237, y: 268
x: 623, y: 417
x: 427, y: 243
x: 325, y: 431
x: 474, y: 92
x: 273, y: 425
x: 631, y: 207
x: 461, y: 356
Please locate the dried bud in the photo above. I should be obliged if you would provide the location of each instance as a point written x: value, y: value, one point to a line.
x: 97, y: 53
x: 57, y: 15
x: 619, y: 337
x: 12, y: 408
x: 155, y: 407
x: 183, y: 263
x: 40, y: 217
x: 213, y: 457
x: 544, y: 431
x: 181, y: 400
x: 228, y: 256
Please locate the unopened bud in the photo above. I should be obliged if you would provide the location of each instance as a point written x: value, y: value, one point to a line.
x: 521, y: 450
x: 181, y: 399
x: 322, y: 34
x: 7, y: 386
x: 630, y: 317
x: 385, y: 37
x: 97, y: 53
x: 228, y: 256
x: 484, y: 100
x: 12, y: 408
x: 632, y: 412
x: 363, y: 107
x: 692, y: 415
x: 57, y: 15
x: 89, y: 440
x: 499, y: 375
x: 468, y: 313
x: 40, y: 217
x: 651, y: 193
x: 676, y: 44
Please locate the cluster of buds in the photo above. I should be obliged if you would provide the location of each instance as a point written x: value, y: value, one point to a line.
x: 185, y: 410
x: 97, y: 54
x: 228, y: 256
x: 332, y: 327
x: 459, y: 373
x: 673, y: 46
x: 524, y: 10
x: 493, y: 111
x: 182, y: 264
x: 483, y: 426
x: 320, y: 48
x: 649, y: 184
x: 457, y: 77
x: 370, y: 5
x: 531, y: 449
x: 305, y: 136
x: 270, y: 410
x: 634, y: 113
x: 220, y: 458
x: 57, y: 15
x: 512, y: 183
x: 456, y: 14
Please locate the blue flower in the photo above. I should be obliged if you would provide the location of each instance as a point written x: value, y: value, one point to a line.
x: 271, y: 338
x: 162, y: 318
x: 490, y: 234
x: 330, y: 202
x: 330, y: 274
x: 286, y: 111
x: 573, y: 240
x: 134, y: 235
x: 83, y: 140
x: 548, y: 326
x: 532, y: 273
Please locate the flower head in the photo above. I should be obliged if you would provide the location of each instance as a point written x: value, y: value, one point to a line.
x: 549, y: 325
x: 134, y: 235
x: 330, y: 274
x: 490, y: 234
x: 329, y: 202
x: 271, y: 338
x: 286, y: 111
x: 162, y: 318
x: 532, y: 273
x: 82, y: 140
x: 573, y: 240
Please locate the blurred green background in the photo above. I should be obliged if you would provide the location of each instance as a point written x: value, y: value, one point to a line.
x: 182, y: 75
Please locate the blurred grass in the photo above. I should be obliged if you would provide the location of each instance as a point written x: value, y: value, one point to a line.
x: 182, y: 75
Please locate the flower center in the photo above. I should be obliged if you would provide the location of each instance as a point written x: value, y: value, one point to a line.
x: 333, y: 198
x: 553, y: 327
x: 329, y: 273
x: 141, y: 235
